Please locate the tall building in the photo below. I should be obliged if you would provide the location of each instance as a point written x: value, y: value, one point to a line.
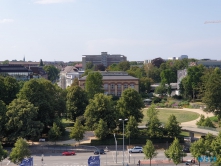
x: 105, y: 59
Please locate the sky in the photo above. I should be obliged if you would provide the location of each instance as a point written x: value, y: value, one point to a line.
x: 64, y: 30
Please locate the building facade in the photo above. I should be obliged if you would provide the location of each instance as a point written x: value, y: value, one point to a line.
x: 114, y: 83
x: 105, y: 59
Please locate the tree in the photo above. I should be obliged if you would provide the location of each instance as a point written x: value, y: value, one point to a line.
x: 5, y: 62
x: 76, y: 102
x: 157, y: 62
x: 149, y: 150
x: 124, y: 66
x: 52, y: 72
x: 132, y: 130
x: 145, y: 84
x: 172, y: 127
x: 161, y: 90
x: 41, y: 63
x: 130, y: 104
x: 100, y: 67
x: 54, y: 133
x: 94, y: 84
x: 89, y: 65
x: 216, y: 146
x: 175, y: 152
x: 47, y: 97
x: 77, y: 132
x: 101, y: 130
x: 154, y: 128
x: 113, y: 67
x: 22, y: 122
x: 3, y: 153
x: 152, y: 72
x: 198, y: 148
x: 3, y: 119
x: 75, y: 82
x: 167, y: 77
x: 20, y: 151
x: 212, y: 94
x: 101, y: 107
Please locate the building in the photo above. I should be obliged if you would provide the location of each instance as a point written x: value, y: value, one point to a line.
x: 209, y: 63
x: 24, y: 63
x: 104, y: 58
x: 114, y: 83
x: 17, y: 71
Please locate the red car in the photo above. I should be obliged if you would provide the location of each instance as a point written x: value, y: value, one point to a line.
x: 68, y: 153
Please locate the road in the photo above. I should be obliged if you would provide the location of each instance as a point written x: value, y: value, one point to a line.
x: 81, y: 159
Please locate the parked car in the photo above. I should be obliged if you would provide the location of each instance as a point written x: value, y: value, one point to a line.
x: 100, y: 151
x: 67, y: 153
x: 186, y: 150
x: 136, y: 149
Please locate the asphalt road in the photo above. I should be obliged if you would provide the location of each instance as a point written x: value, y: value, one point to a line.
x: 81, y: 159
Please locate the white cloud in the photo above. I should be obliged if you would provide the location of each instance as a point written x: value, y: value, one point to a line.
x: 52, y: 1
x: 4, y: 21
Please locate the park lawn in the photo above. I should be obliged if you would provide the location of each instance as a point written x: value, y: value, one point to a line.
x: 181, y: 115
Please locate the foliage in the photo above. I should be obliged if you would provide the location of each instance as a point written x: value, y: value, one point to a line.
x: 76, y: 102
x: 48, y: 97
x: 77, y: 132
x: 89, y: 65
x: 3, y: 153
x: 132, y: 130
x: 130, y: 104
x: 54, y: 133
x: 101, y: 130
x: 175, y: 152
x: 100, y: 67
x: 3, y: 119
x: 145, y: 84
x: 100, y: 107
x: 52, y: 71
x: 20, y: 151
x: 157, y: 62
x: 113, y: 67
x: 154, y: 128
x: 93, y: 84
x: 216, y: 146
x: 41, y: 63
x: 22, y: 121
x: 172, y: 127
x: 152, y: 72
x: 212, y: 94
x: 198, y: 148
x: 167, y: 77
x: 206, y: 122
x: 124, y: 66
x: 161, y: 90
x: 149, y: 150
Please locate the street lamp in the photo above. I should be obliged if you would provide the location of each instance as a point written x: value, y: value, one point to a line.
x: 42, y: 160
x: 115, y: 146
x: 123, y: 137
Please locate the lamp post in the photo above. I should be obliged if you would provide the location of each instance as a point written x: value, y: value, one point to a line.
x: 115, y: 146
x: 123, y: 137
x: 42, y: 160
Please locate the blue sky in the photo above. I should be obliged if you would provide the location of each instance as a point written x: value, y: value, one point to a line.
x: 64, y: 30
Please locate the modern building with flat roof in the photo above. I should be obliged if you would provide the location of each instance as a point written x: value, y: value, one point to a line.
x: 105, y: 59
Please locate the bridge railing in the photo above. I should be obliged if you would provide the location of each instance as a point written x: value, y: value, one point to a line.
x: 209, y: 128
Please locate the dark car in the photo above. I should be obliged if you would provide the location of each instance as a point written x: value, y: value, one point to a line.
x: 100, y: 151
x: 186, y: 150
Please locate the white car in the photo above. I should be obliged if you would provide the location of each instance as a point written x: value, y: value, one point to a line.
x: 136, y: 149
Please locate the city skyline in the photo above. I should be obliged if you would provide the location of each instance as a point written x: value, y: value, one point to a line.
x: 64, y: 30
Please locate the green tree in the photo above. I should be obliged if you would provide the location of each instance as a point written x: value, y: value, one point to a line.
x: 216, y: 146
x: 132, y: 130
x: 22, y: 122
x: 198, y: 148
x: 3, y: 153
x: 154, y: 128
x: 175, y: 152
x: 100, y: 107
x: 124, y: 66
x: 75, y: 82
x: 149, y: 150
x: 113, y: 67
x: 54, y: 133
x: 3, y: 120
x: 152, y: 72
x: 20, y: 151
x: 77, y: 132
x: 76, y: 102
x: 130, y: 104
x: 41, y: 63
x: 161, y: 90
x: 101, y: 130
x: 212, y: 94
x: 94, y: 84
x: 46, y: 96
x: 167, y: 77
x: 52, y: 71
x: 89, y: 65
x: 145, y: 84
x: 172, y: 127
x: 5, y: 62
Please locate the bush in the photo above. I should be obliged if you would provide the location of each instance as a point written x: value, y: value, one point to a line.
x: 156, y: 99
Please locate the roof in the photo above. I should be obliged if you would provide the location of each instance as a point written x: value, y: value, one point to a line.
x: 114, y: 77
x: 70, y: 69
x: 14, y: 68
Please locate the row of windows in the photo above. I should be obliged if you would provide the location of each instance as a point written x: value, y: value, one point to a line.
x: 112, y: 86
x: 112, y: 93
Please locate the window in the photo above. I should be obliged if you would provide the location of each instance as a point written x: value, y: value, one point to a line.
x: 118, y: 93
x: 105, y: 86
x: 112, y: 86
x: 132, y: 86
x: 119, y: 86
x: 125, y: 86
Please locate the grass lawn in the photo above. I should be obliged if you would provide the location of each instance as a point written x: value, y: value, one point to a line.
x: 181, y: 115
